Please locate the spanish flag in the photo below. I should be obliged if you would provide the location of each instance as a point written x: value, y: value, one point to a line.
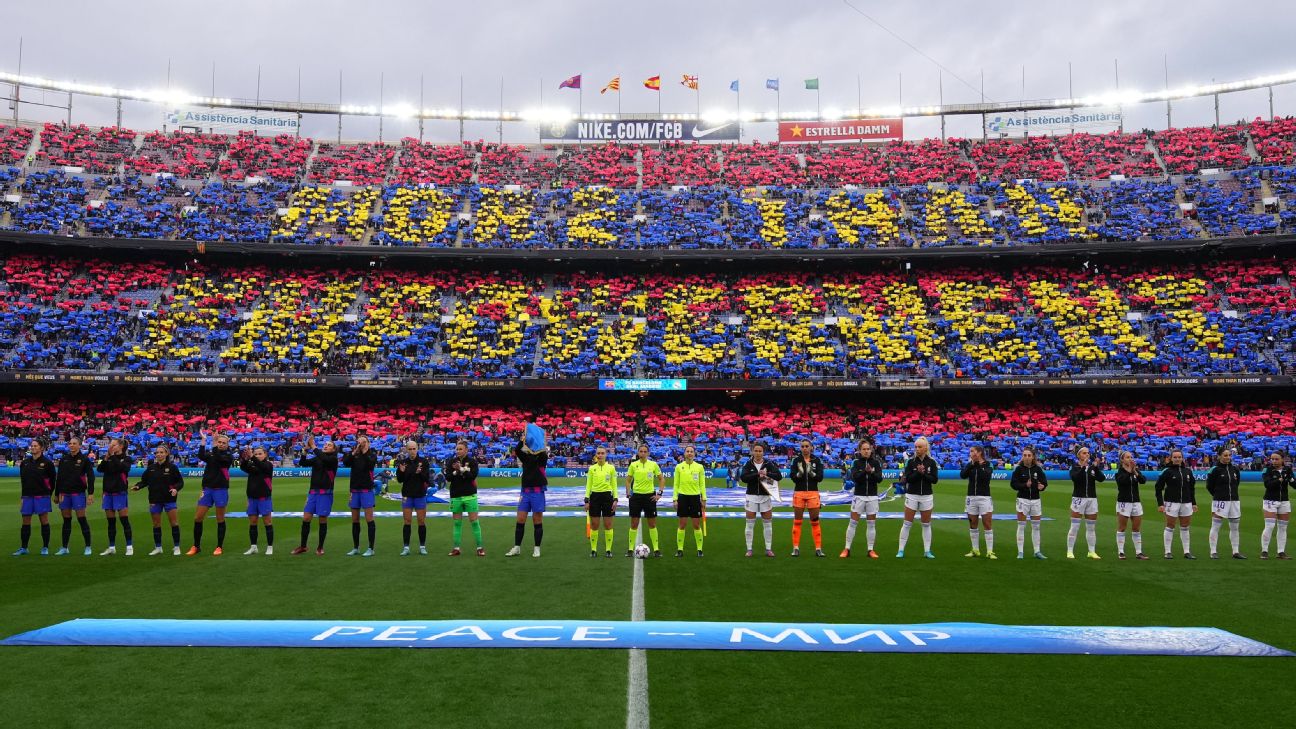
x: 613, y: 85
x: 653, y: 83
x: 689, y: 81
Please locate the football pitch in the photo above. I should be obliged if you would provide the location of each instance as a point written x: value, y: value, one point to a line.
x: 133, y: 687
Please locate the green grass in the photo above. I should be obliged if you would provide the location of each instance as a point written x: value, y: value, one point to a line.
x: 110, y: 687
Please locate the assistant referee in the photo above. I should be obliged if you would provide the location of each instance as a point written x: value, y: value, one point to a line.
x: 690, y: 498
x: 601, y: 500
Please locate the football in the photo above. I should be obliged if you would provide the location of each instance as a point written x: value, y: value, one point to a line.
x: 642, y: 551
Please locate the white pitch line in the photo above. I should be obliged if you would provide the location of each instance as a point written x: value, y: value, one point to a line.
x: 637, y: 686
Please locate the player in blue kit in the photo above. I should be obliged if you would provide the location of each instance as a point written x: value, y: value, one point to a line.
x: 163, y: 480
x: 115, y: 467
x: 74, y: 487
x: 215, y: 489
x: 362, y: 461
x: 323, y: 463
x: 414, y: 472
x: 36, y: 474
x: 260, y: 482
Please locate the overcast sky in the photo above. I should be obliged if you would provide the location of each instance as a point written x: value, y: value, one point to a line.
x: 532, y: 46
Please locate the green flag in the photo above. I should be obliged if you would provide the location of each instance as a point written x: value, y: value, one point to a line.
x: 812, y: 84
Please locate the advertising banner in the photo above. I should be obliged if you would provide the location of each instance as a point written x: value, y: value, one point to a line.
x: 641, y: 130
x: 842, y: 130
x: 1052, y: 122
x: 231, y: 120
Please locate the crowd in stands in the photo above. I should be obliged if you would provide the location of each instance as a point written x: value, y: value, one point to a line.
x: 14, y: 142
x: 989, y: 213
x: 99, y: 151
x: 721, y: 435
x: 1031, y: 191
x: 1189, y: 319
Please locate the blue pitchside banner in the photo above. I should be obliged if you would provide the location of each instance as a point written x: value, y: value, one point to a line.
x: 652, y: 635
x: 641, y: 130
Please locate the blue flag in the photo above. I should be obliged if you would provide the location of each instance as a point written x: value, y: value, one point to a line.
x: 734, y: 86
x: 535, y: 437
x: 771, y: 84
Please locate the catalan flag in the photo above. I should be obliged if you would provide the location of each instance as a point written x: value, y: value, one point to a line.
x: 689, y: 81
x: 613, y: 85
x: 571, y: 83
x: 653, y: 83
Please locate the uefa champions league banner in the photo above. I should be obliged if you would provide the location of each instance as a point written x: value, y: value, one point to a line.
x: 641, y: 130
x: 1052, y: 122
x: 232, y: 120
x: 652, y: 635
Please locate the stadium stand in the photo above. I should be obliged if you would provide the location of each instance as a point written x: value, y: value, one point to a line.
x: 14, y: 142
x: 280, y: 158
x: 99, y: 151
x: 359, y: 164
x: 1099, y: 156
x: 1192, y: 150
x: 1047, y: 320
x: 435, y: 164
x: 184, y: 155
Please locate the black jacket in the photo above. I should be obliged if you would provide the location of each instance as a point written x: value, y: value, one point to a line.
x: 461, y: 484
x: 260, y: 477
x: 76, y: 474
x: 978, y: 477
x: 751, y: 477
x: 533, y: 467
x: 159, y: 479
x: 866, y: 481
x: 1084, y: 481
x: 1222, y: 482
x: 806, y: 478
x: 414, y: 475
x: 323, y: 468
x: 116, y: 473
x: 1127, y: 486
x: 920, y: 483
x: 1176, y: 484
x: 362, y: 467
x: 1029, y: 481
x: 216, y: 473
x: 37, y: 476
x: 1278, y: 482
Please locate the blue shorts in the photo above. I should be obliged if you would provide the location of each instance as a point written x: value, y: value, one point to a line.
x: 35, y: 505
x: 417, y: 502
x: 115, y: 502
x: 532, y: 501
x: 218, y: 498
x: 158, y: 508
x: 259, y: 507
x: 362, y: 500
x: 319, y: 502
x: 72, y: 502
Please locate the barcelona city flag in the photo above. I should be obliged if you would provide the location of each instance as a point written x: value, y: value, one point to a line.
x: 571, y: 83
x: 653, y: 83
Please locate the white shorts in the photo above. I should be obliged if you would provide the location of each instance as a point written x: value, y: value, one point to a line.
x: 1029, y: 507
x: 1227, y: 509
x: 865, y: 505
x: 1276, y: 507
x: 1084, y: 506
x: 1129, y: 508
x: 978, y: 505
x: 758, y: 504
x: 1173, y: 508
x: 920, y: 503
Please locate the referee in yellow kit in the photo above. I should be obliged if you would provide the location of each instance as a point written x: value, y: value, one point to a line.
x: 690, y: 498
x: 642, y: 495
x: 600, y: 499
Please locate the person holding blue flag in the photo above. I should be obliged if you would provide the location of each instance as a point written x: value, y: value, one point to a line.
x: 533, y: 456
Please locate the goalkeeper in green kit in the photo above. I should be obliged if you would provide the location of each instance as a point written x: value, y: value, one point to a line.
x: 461, y: 472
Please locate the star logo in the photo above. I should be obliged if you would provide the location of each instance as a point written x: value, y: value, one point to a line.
x: 797, y: 131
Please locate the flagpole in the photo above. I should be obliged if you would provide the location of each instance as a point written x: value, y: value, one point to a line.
x: 738, y: 108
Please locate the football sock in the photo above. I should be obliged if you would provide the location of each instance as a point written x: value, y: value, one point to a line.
x: 850, y: 532
x: 927, y: 536
x: 269, y: 535
x: 323, y: 532
x: 112, y: 531
x: 405, y: 535
x: 1120, y: 542
x: 1091, y: 534
x: 198, y: 531
x: 1184, y: 537
x: 816, y: 531
x: 904, y: 534
x: 1235, y: 539
x: 1282, y: 536
x: 870, y: 533
x: 457, y: 531
x: 1213, y: 540
x: 989, y: 540
x: 750, y: 532
x: 252, y: 534
x: 1021, y: 537
x: 607, y: 537
x: 1071, y: 534
x: 85, y: 529
x: 1267, y: 534
x: 126, y: 529
x: 67, y: 532
x: 175, y: 535
x: 1168, y: 538
x: 652, y: 537
x: 518, y: 531
x: 220, y: 533
x: 1138, y: 542
x: 538, y: 531
x: 373, y: 532
x: 769, y: 533
x: 355, y: 534
x: 422, y: 532
x: 679, y: 540
x: 157, y: 537
x: 975, y: 537
x: 796, y: 532
x: 25, y: 533
x: 1035, y: 535
x: 305, y: 533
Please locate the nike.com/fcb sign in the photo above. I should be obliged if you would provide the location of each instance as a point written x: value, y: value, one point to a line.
x: 643, y: 130
x: 844, y: 130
